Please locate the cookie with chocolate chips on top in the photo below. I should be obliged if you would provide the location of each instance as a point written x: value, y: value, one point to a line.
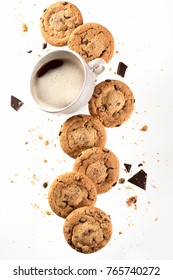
x: 58, y: 21
x: 92, y: 40
x: 70, y: 191
x: 81, y: 132
x: 87, y: 229
x: 100, y: 165
x: 112, y: 103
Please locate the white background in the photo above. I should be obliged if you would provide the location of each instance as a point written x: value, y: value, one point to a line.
x: 143, y: 38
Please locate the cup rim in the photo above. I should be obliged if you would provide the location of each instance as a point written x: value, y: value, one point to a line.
x: 36, y: 68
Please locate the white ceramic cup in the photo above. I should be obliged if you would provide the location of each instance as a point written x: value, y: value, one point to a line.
x: 62, y: 82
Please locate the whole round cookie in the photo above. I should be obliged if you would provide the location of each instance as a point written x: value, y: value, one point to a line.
x: 87, y: 229
x: 92, y: 40
x: 81, y: 132
x: 100, y: 165
x: 58, y: 21
x: 70, y: 191
x: 112, y: 103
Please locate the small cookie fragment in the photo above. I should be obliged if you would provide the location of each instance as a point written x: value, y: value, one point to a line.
x: 24, y: 27
x: 70, y: 191
x: 16, y: 103
x: 139, y: 179
x: 92, y: 40
x: 81, y: 132
x: 131, y: 200
x: 100, y: 165
x: 112, y: 103
x: 58, y: 21
x: 87, y: 229
x: 144, y: 128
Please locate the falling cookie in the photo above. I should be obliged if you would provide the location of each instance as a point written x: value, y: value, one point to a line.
x: 70, y: 191
x: 100, y: 165
x: 58, y: 21
x: 87, y: 229
x: 81, y: 132
x: 92, y: 40
x: 112, y: 103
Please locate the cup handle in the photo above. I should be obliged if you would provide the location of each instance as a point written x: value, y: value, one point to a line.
x: 97, y: 65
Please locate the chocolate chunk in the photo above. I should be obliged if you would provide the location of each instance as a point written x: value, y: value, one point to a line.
x: 140, y: 164
x: 16, y: 103
x: 121, y: 69
x: 44, y: 45
x: 30, y: 51
x: 127, y: 166
x: 139, y: 179
x: 45, y: 184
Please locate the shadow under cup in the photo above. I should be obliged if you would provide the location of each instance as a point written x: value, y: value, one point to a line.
x: 57, y: 81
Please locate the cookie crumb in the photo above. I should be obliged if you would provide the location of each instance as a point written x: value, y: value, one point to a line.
x: 144, y: 128
x: 121, y: 181
x: 49, y: 213
x: 46, y: 142
x: 40, y: 137
x: 131, y: 200
x: 156, y: 219
x: 24, y: 27
x: 120, y: 232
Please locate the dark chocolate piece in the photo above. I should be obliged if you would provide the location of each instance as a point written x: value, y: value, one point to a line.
x: 139, y: 179
x: 140, y: 164
x: 127, y: 166
x: 121, y: 69
x: 16, y: 103
x: 30, y: 51
x: 44, y: 45
x: 45, y: 184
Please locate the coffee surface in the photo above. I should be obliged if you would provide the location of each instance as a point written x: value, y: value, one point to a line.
x: 58, y: 83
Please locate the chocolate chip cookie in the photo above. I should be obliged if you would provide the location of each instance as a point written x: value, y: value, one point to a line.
x: 92, y: 40
x: 58, y: 21
x: 112, y: 103
x: 100, y: 165
x: 81, y: 132
x: 70, y: 191
x: 87, y: 229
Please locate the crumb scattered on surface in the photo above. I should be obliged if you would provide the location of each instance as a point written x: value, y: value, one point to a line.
x: 144, y: 128
x: 40, y: 137
x: 46, y: 142
x: 24, y: 27
x: 156, y: 219
x: 34, y: 205
x: 49, y: 212
x: 120, y: 232
x: 131, y: 200
x: 121, y: 181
